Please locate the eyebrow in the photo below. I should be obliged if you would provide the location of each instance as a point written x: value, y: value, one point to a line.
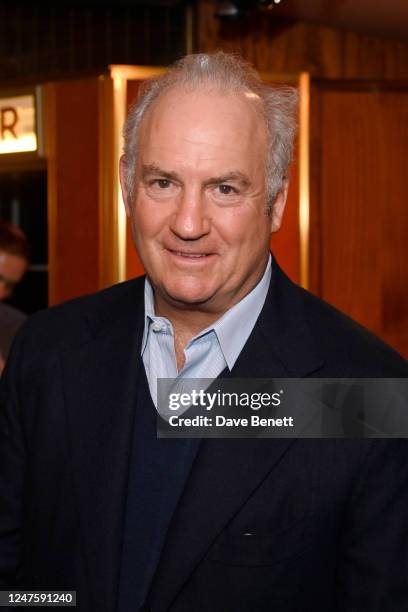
x: 243, y: 179
x: 240, y: 177
x: 148, y: 169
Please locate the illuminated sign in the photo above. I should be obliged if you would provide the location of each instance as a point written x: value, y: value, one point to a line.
x: 17, y: 124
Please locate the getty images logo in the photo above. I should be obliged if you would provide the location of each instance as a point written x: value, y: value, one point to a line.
x: 223, y: 399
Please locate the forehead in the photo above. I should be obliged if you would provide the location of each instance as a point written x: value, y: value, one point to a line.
x: 204, y: 124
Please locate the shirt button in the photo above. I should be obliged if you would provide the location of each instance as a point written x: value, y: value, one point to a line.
x: 156, y: 326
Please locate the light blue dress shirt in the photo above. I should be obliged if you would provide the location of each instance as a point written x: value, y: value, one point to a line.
x: 209, y: 352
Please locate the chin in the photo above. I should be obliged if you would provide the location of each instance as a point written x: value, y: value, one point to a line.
x: 188, y: 298
x: 188, y: 295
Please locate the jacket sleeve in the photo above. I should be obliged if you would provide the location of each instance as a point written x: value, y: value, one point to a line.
x: 11, y: 469
x: 373, y: 559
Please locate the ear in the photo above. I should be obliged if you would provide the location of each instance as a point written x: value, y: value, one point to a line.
x: 279, y: 207
x: 122, y: 177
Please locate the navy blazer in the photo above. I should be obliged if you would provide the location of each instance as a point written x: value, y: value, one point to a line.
x: 262, y: 525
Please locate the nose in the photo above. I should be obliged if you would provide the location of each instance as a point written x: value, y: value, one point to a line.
x: 190, y: 221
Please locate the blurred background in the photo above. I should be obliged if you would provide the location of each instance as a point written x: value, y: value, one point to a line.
x: 68, y: 73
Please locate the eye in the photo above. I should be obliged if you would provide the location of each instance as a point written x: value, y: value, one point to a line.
x: 226, y: 189
x: 161, y: 188
x: 162, y: 183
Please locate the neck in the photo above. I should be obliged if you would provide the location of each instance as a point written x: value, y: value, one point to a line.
x: 187, y: 321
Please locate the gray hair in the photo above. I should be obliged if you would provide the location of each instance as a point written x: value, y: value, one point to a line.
x: 227, y: 73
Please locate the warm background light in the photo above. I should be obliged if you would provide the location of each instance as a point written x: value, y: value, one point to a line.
x: 17, y: 124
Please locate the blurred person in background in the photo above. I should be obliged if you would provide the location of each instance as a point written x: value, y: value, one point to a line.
x: 14, y: 256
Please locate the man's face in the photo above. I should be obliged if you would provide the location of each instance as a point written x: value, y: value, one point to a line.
x: 12, y: 268
x: 199, y: 217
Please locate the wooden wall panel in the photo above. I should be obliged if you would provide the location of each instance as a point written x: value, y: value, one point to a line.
x: 359, y: 248
x: 43, y: 41
x: 394, y: 109
x: 72, y: 150
x: 358, y: 152
x: 290, y: 46
x: 286, y: 242
x: 106, y: 180
x: 134, y: 266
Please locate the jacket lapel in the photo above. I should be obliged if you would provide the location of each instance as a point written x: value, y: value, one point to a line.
x: 226, y: 472
x: 100, y: 379
x: 282, y: 343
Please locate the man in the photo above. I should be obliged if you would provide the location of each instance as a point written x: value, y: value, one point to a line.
x: 91, y: 500
x: 14, y: 255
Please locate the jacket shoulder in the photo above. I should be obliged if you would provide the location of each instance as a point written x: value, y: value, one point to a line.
x: 74, y: 321
x: 350, y: 347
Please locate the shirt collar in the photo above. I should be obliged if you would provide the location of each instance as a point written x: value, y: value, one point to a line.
x: 242, y: 316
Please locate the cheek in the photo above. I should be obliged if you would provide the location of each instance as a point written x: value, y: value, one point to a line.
x: 148, y: 221
x: 245, y: 230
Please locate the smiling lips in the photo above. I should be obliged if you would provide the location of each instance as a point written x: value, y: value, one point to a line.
x: 189, y: 256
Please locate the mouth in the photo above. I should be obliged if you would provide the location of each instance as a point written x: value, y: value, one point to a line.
x: 190, y: 256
